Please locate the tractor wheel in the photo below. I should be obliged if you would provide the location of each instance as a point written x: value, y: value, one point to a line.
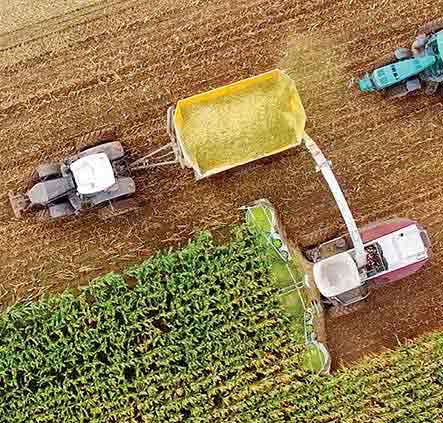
x: 431, y: 27
x: 397, y: 91
x: 339, y: 311
x: 403, y: 53
x: 33, y: 179
x: 432, y: 88
x: 99, y: 137
x: 44, y: 172
x: 118, y: 208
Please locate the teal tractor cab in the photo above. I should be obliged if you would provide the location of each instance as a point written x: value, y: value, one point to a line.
x: 410, y: 70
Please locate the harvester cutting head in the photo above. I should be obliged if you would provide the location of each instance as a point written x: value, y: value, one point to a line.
x: 97, y: 176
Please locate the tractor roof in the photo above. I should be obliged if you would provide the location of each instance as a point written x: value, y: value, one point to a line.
x: 403, y: 247
x: 93, y: 173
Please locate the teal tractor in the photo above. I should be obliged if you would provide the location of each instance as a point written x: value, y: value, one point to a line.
x: 411, y: 69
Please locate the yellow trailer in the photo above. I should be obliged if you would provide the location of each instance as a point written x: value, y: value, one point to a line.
x: 233, y: 125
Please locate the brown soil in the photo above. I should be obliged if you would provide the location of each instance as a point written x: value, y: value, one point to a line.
x: 126, y: 63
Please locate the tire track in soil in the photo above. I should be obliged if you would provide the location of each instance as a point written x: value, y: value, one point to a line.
x: 97, y: 79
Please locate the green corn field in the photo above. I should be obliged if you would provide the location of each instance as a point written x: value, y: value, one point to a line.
x: 202, y: 337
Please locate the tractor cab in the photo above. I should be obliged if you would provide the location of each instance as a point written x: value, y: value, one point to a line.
x: 434, y: 47
x: 93, y: 174
x: 398, y: 250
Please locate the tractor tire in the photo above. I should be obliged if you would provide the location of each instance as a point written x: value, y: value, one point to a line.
x: 99, y: 137
x: 44, y: 172
x: 432, y: 88
x: 312, y: 255
x: 403, y: 53
x: 48, y: 171
x: 33, y: 179
x: 397, y: 91
x: 431, y: 27
x: 118, y: 208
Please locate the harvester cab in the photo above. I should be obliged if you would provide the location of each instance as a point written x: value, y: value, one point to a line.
x: 410, y: 70
x: 379, y: 253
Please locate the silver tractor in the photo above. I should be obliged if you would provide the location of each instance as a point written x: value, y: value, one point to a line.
x: 96, y: 177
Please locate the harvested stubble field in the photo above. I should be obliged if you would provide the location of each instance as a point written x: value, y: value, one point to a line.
x: 126, y: 62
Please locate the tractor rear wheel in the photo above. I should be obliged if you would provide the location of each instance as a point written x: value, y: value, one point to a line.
x: 432, y: 88
x: 99, y: 137
x: 432, y: 26
x: 403, y: 53
x: 118, y: 208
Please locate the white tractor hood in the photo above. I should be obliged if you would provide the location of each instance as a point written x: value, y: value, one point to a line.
x: 93, y: 173
x: 336, y: 275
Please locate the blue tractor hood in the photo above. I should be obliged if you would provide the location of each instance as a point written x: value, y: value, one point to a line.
x: 395, y: 73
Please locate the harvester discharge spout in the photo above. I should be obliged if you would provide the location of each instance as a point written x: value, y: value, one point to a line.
x: 324, y: 166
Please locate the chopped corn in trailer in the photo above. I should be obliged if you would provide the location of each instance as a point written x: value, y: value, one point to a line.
x: 232, y: 125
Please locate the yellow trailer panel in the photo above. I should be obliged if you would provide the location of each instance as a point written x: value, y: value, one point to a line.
x: 239, y: 123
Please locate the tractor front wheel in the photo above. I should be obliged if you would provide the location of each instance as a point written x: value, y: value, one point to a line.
x: 397, y: 91
x: 44, y: 172
x: 387, y: 59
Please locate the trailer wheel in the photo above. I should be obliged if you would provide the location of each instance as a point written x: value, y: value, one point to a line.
x: 118, y: 208
x: 431, y: 26
x: 99, y: 137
